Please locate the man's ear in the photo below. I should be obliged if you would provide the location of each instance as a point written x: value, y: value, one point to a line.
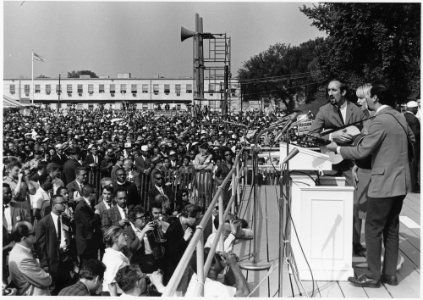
x: 344, y: 92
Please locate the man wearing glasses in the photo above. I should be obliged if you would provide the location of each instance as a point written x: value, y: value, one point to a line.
x: 25, y: 272
x: 159, y: 188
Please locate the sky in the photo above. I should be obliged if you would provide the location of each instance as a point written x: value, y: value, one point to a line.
x: 141, y: 38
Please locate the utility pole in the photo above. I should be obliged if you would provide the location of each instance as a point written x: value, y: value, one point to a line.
x: 58, y: 95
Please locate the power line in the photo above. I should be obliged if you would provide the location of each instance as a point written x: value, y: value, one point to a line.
x: 290, y: 76
x: 266, y: 91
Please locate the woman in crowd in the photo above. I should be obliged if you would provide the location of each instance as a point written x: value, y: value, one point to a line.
x: 114, y: 259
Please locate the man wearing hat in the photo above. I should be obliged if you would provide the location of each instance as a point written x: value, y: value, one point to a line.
x: 414, y: 123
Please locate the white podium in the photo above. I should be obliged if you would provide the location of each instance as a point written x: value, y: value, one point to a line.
x: 322, y: 218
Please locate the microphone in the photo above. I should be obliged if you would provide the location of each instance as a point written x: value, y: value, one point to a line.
x: 291, y: 120
x: 290, y: 155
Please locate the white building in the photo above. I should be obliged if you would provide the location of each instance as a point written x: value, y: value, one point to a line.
x: 85, y: 92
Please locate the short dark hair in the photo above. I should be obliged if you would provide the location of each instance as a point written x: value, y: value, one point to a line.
x: 53, y: 199
x: 127, y: 277
x: 92, y: 268
x: 107, y: 188
x: 137, y: 209
x: 20, y: 230
x: 61, y: 188
x: 120, y: 190
x: 156, y: 204
x: 382, y: 92
x: 80, y: 169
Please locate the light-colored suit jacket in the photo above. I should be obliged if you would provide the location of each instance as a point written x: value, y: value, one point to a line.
x: 27, y: 274
x: 386, y: 142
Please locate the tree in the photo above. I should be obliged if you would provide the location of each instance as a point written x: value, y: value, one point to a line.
x: 76, y: 74
x: 368, y: 42
x: 280, y: 72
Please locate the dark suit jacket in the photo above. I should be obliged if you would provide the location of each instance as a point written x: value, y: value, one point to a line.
x: 87, y: 229
x: 89, y: 159
x: 131, y: 188
x: 153, y: 192
x: 329, y: 118
x: 110, y: 217
x: 101, y: 207
x: 48, y: 242
x: 142, y: 164
x: 69, y: 169
x: 72, y: 187
x: 59, y: 160
x: 174, y: 248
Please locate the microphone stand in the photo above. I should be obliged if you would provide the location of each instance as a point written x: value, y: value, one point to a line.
x: 254, y: 265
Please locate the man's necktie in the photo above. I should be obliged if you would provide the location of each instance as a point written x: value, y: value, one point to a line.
x: 59, y: 230
x: 340, y: 115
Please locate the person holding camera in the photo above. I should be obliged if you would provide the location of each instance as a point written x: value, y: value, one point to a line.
x: 141, y: 242
x: 177, y: 238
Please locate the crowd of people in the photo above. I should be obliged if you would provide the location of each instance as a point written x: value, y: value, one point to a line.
x: 94, y: 191
x: 105, y: 201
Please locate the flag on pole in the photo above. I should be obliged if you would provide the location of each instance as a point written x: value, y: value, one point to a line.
x: 37, y: 57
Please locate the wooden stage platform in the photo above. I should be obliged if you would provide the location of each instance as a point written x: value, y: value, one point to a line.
x: 268, y: 228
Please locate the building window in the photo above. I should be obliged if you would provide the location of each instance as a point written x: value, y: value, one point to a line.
x: 90, y: 106
x: 101, y: 88
x: 91, y: 89
x: 80, y: 90
x: 58, y: 89
x: 155, y: 89
x: 145, y: 88
x: 178, y: 89
x: 48, y: 89
x: 37, y: 88
x: 178, y: 107
x: 69, y: 89
x: 79, y: 106
x: 27, y: 89
x: 112, y: 90
x: 189, y: 88
x: 134, y: 89
x: 12, y: 89
x: 211, y: 89
x: 167, y: 89
x: 123, y: 88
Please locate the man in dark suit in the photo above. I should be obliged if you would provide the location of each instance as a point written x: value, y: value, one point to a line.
x: 158, y: 188
x: 59, y: 157
x: 53, y: 238
x: 390, y: 181
x: 75, y: 187
x: 337, y: 113
x: 177, y: 238
x: 106, y: 200
x: 70, y: 166
x: 118, y: 214
x: 88, y: 233
x: 414, y: 123
x: 131, y: 188
x: 142, y: 162
x: 93, y: 159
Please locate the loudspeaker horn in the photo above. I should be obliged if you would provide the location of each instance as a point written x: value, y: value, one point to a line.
x: 186, y: 33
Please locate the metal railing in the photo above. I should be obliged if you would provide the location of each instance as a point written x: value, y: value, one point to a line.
x: 197, y: 240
